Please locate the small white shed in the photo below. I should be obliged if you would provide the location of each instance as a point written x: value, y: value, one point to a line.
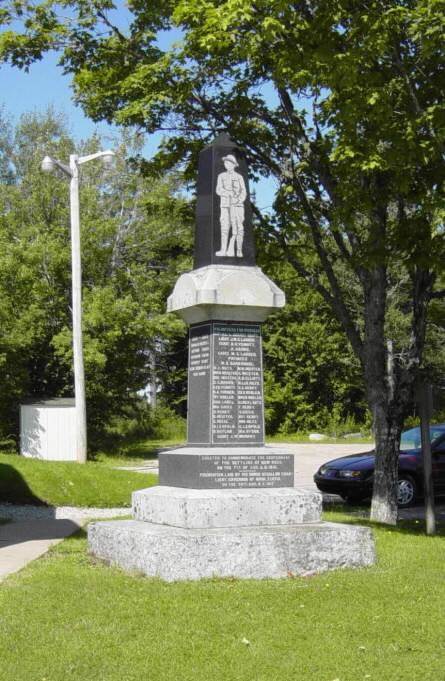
x: 48, y: 429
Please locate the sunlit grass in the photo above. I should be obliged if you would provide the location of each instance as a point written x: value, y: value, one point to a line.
x: 29, y: 481
x: 69, y: 617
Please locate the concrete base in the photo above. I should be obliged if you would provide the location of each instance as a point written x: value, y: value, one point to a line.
x: 175, y: 554
x: 204, y: 508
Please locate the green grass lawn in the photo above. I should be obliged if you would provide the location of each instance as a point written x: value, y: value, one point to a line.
x: 67, y: 616
x: 303, y: 438
x: 136, y: 452
x: 28, y: 481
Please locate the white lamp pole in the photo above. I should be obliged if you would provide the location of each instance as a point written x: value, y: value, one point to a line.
x: 72, y: 171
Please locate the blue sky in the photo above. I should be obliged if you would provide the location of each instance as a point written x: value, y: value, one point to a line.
x: 45, y: 85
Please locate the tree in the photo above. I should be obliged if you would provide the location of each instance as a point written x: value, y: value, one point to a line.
x: 135, y: 235
x: 340, y: 103
x: 33, y: 286
x: 312, y: 379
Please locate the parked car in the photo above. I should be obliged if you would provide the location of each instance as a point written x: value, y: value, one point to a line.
x: 352, y: 476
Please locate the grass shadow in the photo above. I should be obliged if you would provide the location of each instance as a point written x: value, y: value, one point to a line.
x: 359, y: 515
x: 14, y: 489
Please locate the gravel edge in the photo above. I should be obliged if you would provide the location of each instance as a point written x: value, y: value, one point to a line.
x: 28, y: 512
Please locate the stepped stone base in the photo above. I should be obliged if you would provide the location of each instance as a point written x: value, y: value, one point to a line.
x: 204, y: 508
x: 176, y: 554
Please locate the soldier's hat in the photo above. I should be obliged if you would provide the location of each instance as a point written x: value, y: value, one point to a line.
x: 230, y: 158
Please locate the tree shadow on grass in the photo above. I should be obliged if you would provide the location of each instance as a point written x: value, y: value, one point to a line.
x: 359, y: 515
x: 14, y: 489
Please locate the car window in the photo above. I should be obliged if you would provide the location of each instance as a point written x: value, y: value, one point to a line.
x: 440, y: 447
x: 411, y: 439
x: 435, y: 433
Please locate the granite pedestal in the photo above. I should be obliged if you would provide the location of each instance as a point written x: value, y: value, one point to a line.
x: 208, y: 509
x: 273, y: 551
x: 187, y: 534
x: 226, y: 505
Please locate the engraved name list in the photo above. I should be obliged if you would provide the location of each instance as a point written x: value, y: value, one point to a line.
x: 225, y: 384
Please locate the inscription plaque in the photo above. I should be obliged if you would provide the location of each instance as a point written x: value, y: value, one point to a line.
x: 234, y: 468
x: 240, y: 471
x: 225, y: 394
x: 199, y: 399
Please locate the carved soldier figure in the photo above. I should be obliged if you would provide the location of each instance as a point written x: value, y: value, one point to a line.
x: 231, y: 189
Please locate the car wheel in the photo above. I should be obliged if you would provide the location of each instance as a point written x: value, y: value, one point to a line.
x: 407, y: 491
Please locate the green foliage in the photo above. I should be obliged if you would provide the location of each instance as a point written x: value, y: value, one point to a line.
x: 139, y: 422
x: 136, y: 238
x: 312, y: 380
x: 34, y: 264
x: 136, y: 420
x: 28, y: 481
x: 435, y: 348
x: 168, y: 425
x: 7, y: 445
x: 340, y: 105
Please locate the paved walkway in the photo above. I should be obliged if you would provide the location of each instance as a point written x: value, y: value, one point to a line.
x: 24, y: 541
x: 34, y: 529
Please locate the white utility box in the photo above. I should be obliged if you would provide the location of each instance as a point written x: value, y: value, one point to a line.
x: 48, y: 429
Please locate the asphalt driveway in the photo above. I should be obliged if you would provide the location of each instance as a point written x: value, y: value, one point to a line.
x: 309, y: 457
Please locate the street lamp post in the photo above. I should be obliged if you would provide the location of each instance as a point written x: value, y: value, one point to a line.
x: 49, y: 165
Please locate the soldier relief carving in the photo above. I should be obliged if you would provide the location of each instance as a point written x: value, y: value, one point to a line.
x: 231, y: 189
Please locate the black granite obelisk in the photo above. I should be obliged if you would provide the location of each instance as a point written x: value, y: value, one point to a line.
x: 225, y: 388
x: 224, y: 300
x: 222, y: 192
x: 226, y: 505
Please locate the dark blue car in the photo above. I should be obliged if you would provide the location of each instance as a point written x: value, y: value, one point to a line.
x: 352, y: 476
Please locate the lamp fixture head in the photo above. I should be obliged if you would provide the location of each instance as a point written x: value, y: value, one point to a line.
x: 48, y: 165
x: 108, y: 158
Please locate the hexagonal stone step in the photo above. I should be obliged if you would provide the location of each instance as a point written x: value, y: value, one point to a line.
x: 177, y: 554
x: 205, y: 508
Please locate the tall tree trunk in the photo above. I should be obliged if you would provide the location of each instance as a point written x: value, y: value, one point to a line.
x: 390, y: 385
x: 380, y: 390
x: 387, y: 428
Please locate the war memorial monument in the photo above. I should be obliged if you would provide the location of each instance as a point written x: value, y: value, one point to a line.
x: 226, y: 504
